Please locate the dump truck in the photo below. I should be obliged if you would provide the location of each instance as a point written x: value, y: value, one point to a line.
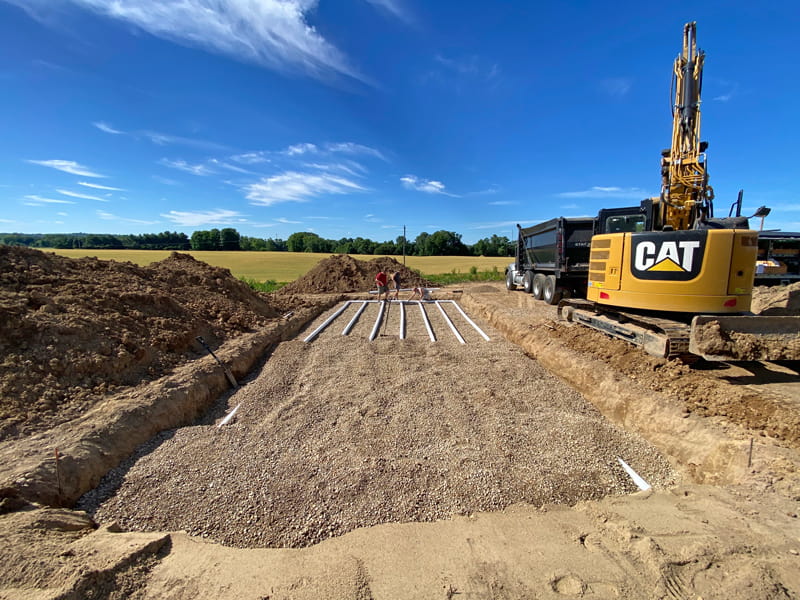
x: 551, y: 260
x: 668, y: 275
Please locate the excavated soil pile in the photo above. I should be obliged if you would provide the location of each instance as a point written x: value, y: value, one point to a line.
x: 776, y: 300
x: 74, y: 330
x: 343, y: 273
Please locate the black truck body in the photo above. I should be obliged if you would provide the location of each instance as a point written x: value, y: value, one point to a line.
x: 552, y: 258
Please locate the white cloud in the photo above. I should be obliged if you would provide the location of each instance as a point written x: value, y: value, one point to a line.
x: 503, y: 203
x: 292, y: 186
x: 84, y: 196
x: 209, y: 217
x: 270, y: 33
x: 300, y: 149
x: 38, y: 200
x: 251, y: 158
x: 412, y: 182
x: 230, y: 167
x: 353, y: 148
x: 616, y: 87
x: 351, y: 168
x: 164, y: 139
x: 7, y: 221
x: 394, y: 8
x: 470, y: 66
x: 107, y: 216
x: 68, y: 166
x: 287, y: 221
x: 97, y: 186
x: 606, y: 192
x: 106, y: 128
x: 182, y: 165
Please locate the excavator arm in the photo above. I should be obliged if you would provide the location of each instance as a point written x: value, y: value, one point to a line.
x: 685, y: 193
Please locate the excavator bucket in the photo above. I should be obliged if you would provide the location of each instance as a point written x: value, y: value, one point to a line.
x: 742, y: 338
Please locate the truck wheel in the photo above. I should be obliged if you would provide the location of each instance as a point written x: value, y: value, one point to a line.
x: 510, y: 285
x: 527, y: 282
x: 551, y: 292
x: 538, y: 286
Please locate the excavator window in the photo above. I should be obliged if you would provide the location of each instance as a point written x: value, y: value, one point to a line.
x: 625, y: 223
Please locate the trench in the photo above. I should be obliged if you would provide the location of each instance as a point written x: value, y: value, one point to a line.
x: 341, y: 433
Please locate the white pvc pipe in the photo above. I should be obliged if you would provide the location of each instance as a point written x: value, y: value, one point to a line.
x: 640, y: 483
x: 229, y: 416
x: 427, y: 323
x: 470, y: 321
x: 377, y: 325
x: 449, y: 322
x: 402, y: 320
x: 314, y: 333
x: 352, y: 322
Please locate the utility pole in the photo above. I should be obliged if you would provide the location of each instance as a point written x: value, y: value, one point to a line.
x: 404, y: 243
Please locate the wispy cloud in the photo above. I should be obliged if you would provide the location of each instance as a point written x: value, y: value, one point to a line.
x: 68, y: 166
x: 182, y: 165
x: 303, y: 148
x: 165, y: 139
x: 271, y: 33
x: 251, y: 158
x: 79, y: 195
x: 503, y: 203
x: 292, y: 186
x: 616, y: 87
x: 395, y: 8
x: 39, y: 200
x: 107, y: 216
x: 287, y: 221
x: 465, y: 68
x: 97, y: 186
x: 226, y: 165
x: 606, y: 192
x: 412, y: 182
x: 209, y: 217
x: 353, y: 148
x: 107, y: 128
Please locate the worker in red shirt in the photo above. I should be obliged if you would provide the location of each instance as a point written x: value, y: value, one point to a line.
x: 383, y: 288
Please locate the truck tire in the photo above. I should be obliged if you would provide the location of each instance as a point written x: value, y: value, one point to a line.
x: 551, y: 293
x: 538, y: 286
x: 527, y: 282
x: 510, y: 285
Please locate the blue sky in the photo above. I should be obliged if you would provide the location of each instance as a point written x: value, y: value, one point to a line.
x: 355, y: 117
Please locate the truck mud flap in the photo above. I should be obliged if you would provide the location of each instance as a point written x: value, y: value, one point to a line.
x: 743, y: 338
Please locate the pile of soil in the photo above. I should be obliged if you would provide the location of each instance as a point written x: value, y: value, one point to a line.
x: 776, y: 299
x: 343, y: 273
x: 74, y: 330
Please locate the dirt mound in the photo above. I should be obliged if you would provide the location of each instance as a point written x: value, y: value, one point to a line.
x: 74, y: 330
x: 343, y: 273
x: 776, y: 299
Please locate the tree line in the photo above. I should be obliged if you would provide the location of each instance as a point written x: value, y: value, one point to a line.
x: 438, y: 243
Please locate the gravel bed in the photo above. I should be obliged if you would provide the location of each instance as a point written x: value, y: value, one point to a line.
x: 343, y: 433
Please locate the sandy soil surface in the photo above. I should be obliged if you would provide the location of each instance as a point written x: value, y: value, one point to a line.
x: 430, y: 470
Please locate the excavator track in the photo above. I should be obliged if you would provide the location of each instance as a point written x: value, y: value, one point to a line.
x: 664, y: 338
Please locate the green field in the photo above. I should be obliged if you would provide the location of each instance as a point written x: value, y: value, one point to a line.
x: 288, y: 266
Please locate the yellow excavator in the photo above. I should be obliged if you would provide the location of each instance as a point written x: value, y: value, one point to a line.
x: 669, y: 276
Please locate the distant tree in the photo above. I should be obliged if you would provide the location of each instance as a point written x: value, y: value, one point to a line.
x: 385, y: 248
x: 229, y: 239
x: 205, y: 240
x: 276, y: 245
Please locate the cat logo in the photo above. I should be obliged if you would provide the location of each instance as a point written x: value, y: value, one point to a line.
x: 675, y: 256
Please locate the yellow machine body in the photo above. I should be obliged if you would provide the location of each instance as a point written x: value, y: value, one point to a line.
x: 696, y: 271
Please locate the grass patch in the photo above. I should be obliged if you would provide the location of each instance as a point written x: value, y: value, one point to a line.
x: 454, y: 276
x: 270, y: 285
